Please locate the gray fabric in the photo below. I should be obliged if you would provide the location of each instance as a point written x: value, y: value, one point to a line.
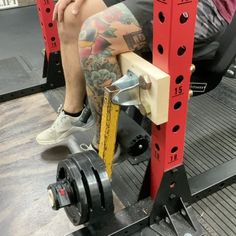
x: 209, y: 21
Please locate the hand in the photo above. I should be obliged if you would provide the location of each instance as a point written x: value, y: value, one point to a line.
x: 61, y: 5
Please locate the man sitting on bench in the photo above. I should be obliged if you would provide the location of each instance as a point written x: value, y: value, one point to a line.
x: 92, y: 34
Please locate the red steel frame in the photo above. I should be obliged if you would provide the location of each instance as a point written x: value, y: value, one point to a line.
x: 174, y: 23
x: 49, y: 28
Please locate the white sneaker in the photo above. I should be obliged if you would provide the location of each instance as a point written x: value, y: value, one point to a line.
x: 64, y: 126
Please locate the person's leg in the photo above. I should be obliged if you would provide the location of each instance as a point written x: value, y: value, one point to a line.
x: 102, y: 37
x: 69, y: 30
x: 72, y: 118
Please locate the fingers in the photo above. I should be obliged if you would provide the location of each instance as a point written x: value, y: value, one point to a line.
x: 58, y: 13
x: 55, y: 12
x: 61, y: 8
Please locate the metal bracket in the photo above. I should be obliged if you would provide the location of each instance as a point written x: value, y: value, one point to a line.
x: 126, y: 91
x: 171, y: 211
x: 177, y: 224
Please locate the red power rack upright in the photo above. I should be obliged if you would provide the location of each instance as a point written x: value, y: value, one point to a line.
x: 52, y: 61
x: 172, y: 52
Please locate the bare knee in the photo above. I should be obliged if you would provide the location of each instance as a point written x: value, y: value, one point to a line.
x: 70, y: 28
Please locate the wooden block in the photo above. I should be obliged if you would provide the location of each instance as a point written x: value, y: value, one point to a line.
x: 155, y: 99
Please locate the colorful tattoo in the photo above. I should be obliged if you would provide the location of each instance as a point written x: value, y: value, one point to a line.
x: 100, y: 73
x: 97, y: 55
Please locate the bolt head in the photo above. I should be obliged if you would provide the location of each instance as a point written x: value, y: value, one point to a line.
x: 145, y: 82
x: 140, y: 146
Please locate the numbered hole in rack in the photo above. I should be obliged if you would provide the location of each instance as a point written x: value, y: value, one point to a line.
x: 53, y: 39
x: 174, y: 149
x: 158, y: 127
x: 161, y: 17
x: 48, y: 10
x: 50, y: 25
x: 177, y: 105
x: 160, y: 49
x: 179, y: 79
x: 184, y: 17
x: 181, y: 50
x: 157, y: 147
x: 176, y: 129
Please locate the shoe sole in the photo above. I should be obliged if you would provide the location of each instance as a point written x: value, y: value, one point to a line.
x: 65, y: 135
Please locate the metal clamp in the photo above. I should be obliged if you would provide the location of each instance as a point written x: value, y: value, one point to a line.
x: 127, y: 91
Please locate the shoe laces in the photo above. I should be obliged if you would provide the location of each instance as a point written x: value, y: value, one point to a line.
x: 59, y: 109
x: 84, y: 147
x: 60, y: 119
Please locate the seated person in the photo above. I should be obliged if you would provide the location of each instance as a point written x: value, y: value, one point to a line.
x: 92, y: 33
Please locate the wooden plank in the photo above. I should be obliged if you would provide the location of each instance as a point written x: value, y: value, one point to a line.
x: 157, y: 98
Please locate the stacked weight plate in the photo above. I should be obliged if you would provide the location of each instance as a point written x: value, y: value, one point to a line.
x: 83, y: 188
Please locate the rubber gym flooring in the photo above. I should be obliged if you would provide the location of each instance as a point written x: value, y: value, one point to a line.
x: 27, y: 168
x: 20, y: 49
x: 210, y: 141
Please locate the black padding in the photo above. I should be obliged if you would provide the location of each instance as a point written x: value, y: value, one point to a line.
x: 227, y: 50
x: 207, y: 52
x: 209, y: 73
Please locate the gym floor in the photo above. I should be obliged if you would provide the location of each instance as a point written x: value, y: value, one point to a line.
x: 27, y: 168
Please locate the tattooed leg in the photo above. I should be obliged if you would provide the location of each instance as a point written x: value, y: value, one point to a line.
x: 103, y: 36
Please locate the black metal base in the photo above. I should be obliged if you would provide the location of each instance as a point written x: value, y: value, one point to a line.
x: 176, y: 225
x: 212, y: 180
x: 134, y: 221
x: 126, y: 222
x: 168, y: 215
x: 172, y: 207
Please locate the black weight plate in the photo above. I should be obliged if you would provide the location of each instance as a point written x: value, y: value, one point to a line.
x: 90, y: 184
x: 77, y: 213
x: 101, y: 175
